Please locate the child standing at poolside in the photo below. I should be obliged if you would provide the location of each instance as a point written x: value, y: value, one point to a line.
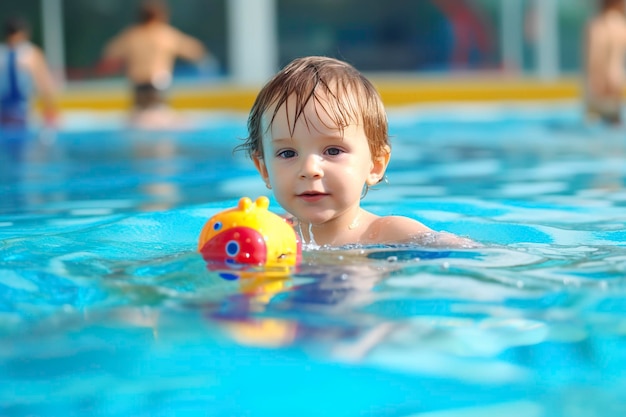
x: 318, y: 137
x: 605, y: 53
x: 24, y: 73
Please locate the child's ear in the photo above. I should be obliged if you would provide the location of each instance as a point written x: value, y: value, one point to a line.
x: 260, y: 166
x: 379, y: 166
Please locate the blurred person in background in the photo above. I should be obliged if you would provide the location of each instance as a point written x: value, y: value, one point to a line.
x: 148, y: 50
x: 24, y: 73
x: 605, y: 54
x: 470, y: 40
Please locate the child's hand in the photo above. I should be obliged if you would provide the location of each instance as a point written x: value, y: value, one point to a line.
x: 51, y: 118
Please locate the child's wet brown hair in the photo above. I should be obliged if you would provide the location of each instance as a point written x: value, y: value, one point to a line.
x: 336, y: 87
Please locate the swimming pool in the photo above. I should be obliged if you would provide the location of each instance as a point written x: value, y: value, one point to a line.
x: 106, y: 309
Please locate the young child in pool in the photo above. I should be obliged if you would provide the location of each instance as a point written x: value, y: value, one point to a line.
x: 317, y: 133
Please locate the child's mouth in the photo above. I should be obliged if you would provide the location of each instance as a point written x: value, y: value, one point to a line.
x: 312, y: 196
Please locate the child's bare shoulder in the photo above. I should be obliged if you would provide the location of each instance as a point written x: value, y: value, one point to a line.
x: 401, y: 229
x: 397, y: 228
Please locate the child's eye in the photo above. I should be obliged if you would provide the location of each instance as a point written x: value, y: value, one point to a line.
x: 286, y: 154
x: 333, y: 151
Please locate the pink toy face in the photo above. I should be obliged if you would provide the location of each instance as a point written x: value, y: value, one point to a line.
x: 235, y: 247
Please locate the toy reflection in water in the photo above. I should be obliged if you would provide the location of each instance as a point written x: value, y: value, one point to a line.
x: 242, y: 239
x: 256, y: 315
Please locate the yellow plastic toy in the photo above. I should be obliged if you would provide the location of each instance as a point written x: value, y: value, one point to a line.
x: 249, y: 235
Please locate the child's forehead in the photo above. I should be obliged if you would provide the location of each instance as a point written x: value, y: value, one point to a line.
x: 330, y: 111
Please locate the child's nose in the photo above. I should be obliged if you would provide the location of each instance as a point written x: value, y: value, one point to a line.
x: 311, y: 167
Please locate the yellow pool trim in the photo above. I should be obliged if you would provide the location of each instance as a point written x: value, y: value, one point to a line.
x: 395, y: 92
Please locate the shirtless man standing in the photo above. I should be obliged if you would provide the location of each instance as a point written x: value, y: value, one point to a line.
x: 148, y: 50
x: 605, y: 54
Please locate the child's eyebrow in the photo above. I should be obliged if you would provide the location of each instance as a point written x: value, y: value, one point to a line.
x: 280, y: 140
x: 324, y: 138
x: 281, y: 143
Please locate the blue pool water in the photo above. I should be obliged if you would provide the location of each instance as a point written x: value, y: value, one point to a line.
x: 107, y: 310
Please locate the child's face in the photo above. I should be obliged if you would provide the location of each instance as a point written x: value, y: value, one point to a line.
x: 318, y: 173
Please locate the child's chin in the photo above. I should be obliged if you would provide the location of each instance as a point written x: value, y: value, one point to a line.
x: 312, y: 220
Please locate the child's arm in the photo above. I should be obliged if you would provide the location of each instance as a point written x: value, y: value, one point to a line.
x: 46, y: 87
